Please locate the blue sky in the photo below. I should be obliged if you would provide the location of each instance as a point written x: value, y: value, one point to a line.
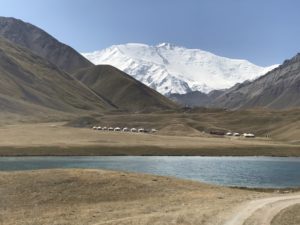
x: 263, y: 31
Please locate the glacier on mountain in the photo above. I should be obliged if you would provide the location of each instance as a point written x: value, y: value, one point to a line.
x: 171, y: 69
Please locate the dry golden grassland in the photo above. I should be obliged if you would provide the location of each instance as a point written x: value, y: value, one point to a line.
x: 104, y: 197
x: 288, y: 216
x: 180, y: 133
x: 57, y: 139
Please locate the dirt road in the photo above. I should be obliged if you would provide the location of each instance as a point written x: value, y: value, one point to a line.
x: 262, y: 211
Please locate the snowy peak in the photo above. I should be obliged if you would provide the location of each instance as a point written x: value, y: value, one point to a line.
x: 166, y: 46
x: 170, y: 69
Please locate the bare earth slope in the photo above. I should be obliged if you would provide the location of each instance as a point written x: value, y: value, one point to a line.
x: 26, y: 79
x: 122, y: 90
x: 42, y: 44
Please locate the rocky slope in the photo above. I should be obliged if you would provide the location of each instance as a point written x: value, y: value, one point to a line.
x: 196, y: 98
x: 278, y: 89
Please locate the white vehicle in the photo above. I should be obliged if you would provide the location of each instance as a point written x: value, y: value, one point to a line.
x: 229, y: 134
x: 133, y: 130
x: 248, y: 135
x: 251, y: 135
x: 236, y: 134
x: 153, y: 130
x: 99, y: 128
x: 117, y: 129
x: 110, y: 129
x: 104, y: 128
x: 125, y: 129
x: 94, y: 127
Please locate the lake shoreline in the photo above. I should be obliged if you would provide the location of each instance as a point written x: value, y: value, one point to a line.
x: 277, y: 190
x: 255, y: 151
x: 89, y: 196
x: 248, y: 173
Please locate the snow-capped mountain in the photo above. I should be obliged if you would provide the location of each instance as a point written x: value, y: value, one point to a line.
x: 172, y: 69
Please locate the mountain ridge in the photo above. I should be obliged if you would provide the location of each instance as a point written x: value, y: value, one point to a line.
x: 42, y: 44
x: 122, y: 90
x: 172, y: 69
x: 29, y: 82
x: 34, y: 43
x: 278, y: 89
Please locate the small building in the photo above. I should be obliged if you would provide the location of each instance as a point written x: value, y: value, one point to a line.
x: 133, y: 130
x: 117, y: 129
x: 125, y: 129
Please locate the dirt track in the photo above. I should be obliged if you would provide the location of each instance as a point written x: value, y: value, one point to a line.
x: 262, y: 211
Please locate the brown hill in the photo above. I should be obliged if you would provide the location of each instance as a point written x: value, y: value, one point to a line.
x: 42, y: 44
x: 115, y: 88
x: 28, y: 83
x: 122, y: 90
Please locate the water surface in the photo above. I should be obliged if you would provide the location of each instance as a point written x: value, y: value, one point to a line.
x: 264, y: 172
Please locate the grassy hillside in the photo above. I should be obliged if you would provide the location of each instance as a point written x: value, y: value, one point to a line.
x: 122, y: 90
